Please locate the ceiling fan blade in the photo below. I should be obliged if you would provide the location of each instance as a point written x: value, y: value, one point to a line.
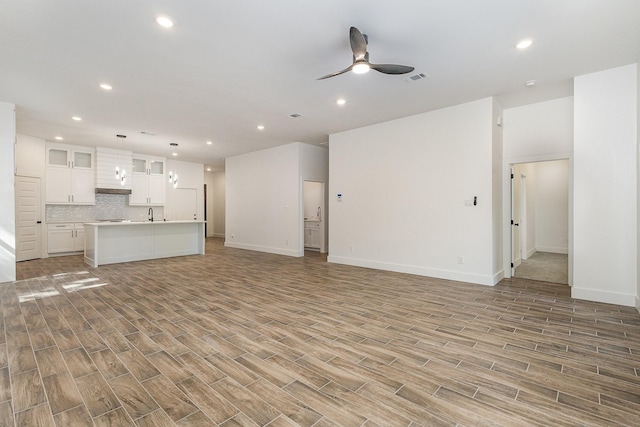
x: 358, y: 43
x: 392, y: 68
x: 337, y: 73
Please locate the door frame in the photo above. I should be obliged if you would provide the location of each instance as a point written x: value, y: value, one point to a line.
x: 324, y: 214
x: 507, y: 248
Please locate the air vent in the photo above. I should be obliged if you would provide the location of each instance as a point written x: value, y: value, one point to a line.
x: 416, y: 77
x: 173, y: 144
x: 294, y: 115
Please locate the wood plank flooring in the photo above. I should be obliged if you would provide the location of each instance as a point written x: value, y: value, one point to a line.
x: 240, y: 338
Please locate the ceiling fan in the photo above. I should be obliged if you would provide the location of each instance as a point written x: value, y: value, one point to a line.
x: 361, y: 62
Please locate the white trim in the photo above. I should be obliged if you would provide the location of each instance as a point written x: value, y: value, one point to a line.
x: 551, y: 249
x: 531, y: 252
x: 507, y: 164
x: 277, y: 251
x: 627, y: 300
x: 638, y: 303
x: 222, y: 235
x: 477, y: 279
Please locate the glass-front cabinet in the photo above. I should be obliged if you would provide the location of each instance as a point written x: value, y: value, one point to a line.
x: 70, y: 175
x: 148, y: 187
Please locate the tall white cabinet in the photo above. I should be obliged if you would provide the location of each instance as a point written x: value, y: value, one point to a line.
x: 70, y: 175
x: 148, y: 186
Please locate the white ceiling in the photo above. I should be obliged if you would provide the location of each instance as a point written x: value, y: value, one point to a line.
x: 227, y: 66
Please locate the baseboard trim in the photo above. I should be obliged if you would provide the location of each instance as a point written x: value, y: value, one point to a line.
x: 277, y: 251
x: 551, y: 249
x: 478, y: 279
x: 222, y: 235
x: 638, y: 303
x: 628, y: 300
x: 531, y: 252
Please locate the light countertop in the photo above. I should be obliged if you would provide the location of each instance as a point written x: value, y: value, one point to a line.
x: 130, y: 223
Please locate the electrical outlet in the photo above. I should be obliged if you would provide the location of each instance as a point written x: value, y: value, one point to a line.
x: 351, y: 248
x: 286, y: 242
x: 460, y: 260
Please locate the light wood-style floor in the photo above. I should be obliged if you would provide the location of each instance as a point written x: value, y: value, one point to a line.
x: 240, y: 338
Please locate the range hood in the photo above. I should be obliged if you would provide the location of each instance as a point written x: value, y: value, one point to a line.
x: 113, y: 191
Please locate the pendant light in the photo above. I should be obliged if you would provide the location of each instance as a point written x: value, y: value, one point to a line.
x: 121, y: 173
x: 173, y: 177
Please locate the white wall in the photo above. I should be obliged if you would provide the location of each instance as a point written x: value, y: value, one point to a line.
x: 264, y: 205
x: 404, y: 184
x: 30, y: 156
x: 215, y: 203
x: 7, y: 193
x: 551, y: 203
x: 190, y: 175
x: 263, y: 201
x: 540, y: 131
x: 497, y: 153
x: 605, y: 186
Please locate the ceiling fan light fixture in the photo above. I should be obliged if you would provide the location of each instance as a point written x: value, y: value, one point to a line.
x: 360, y: 68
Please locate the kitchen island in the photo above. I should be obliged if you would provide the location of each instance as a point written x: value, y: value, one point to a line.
x: 114, y: 242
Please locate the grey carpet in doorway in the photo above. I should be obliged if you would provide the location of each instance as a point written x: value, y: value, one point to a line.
x: 546, y: 267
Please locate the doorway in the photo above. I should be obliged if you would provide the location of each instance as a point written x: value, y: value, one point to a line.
x: 314, y: 216
x: 186, y: 204
x: 28, y: 219
x: 540, y: 220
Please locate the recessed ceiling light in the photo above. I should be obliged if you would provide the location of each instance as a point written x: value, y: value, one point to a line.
x: 208, y: 169
x: 106, y: 86
x: 59, y: 138
x: 341, y: 101
x: 530, y: 83
x: 164, y: 21
x: 209, y: 142
x: 76, y: 118
x: 525, y: 43
x: 174, y: 154
x: 260, y: 127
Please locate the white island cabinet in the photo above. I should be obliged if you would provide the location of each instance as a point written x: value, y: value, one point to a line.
x: 114, y: 242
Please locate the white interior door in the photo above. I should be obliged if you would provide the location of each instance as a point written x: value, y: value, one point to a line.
x: 28, y: 221
x: 186, y: 204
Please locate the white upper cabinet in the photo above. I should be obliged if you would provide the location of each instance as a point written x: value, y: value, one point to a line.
x: 70, y: 175
x: 148, y: 181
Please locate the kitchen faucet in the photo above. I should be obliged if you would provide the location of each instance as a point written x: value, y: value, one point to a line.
x: 151, y: 214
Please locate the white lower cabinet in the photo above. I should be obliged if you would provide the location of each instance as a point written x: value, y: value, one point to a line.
x: 64, y: 238
x: 312, y: 237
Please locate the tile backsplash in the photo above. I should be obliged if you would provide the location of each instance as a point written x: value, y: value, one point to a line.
x: 108, y: 206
